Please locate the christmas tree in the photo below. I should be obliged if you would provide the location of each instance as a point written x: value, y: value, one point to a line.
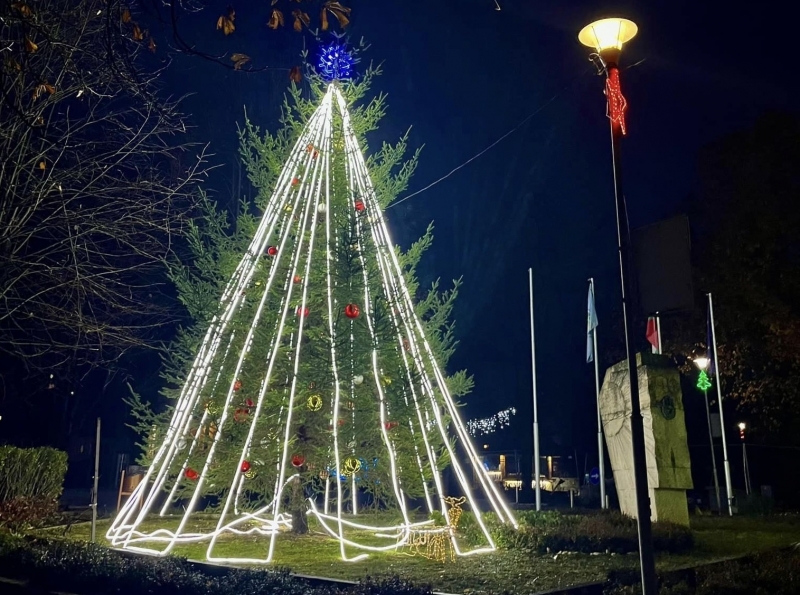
x: 317, y: 390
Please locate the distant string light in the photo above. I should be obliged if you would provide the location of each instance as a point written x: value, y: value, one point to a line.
x: 489, y: 425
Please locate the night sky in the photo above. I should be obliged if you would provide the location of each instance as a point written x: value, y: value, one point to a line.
x: 463, y: 74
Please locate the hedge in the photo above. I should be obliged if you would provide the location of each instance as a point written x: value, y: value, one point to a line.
x: 588, y: 532
x: 31, y: 472
x: 31, y: 480
x: 769, y: 573
x: 91, y: 569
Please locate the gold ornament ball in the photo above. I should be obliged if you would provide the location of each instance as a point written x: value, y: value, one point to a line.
x: 386, y: 381
x: 314, y: 403
x: 351, y: 466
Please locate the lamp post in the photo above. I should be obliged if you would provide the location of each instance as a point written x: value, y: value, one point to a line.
x: 703, y: 383
x: 713, y: 356
x: 742, y: 428
x: 606, y: 37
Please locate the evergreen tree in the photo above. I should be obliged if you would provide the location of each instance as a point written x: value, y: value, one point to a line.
x: 318, y: 367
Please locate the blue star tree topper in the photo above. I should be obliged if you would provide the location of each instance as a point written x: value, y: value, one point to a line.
x: 335, y: 62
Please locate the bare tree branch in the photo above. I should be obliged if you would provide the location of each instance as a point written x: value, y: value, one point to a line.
x: 97, y: 181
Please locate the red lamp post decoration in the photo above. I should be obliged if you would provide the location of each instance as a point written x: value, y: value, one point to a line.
x: 606, y: 38
x: 616, y: 101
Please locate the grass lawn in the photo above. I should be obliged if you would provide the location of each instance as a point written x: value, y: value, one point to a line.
x: 515, y: 571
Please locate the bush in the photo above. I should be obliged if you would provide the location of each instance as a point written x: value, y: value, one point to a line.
x: 31, y: 472
x: 32, y: 512
x: 31, y: 480
x: 543, y: 532
x: 772, y: 573
x: 91, y: 569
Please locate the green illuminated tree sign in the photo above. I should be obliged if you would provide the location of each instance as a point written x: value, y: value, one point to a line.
x: 703, y: 383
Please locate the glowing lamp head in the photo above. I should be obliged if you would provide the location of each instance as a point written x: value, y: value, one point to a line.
x: 701, y: 362
x: 742, y: 426
x: 607, y: 36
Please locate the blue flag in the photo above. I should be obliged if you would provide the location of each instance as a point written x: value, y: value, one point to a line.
x: 591, y: 324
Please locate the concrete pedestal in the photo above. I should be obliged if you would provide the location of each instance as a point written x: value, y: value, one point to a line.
x: 669, y: 472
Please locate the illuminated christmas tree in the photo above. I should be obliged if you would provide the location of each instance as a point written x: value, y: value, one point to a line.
x: 317, y: 391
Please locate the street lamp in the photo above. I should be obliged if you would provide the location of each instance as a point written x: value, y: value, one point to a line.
x: 742, y: 428
x: 607, y: 37
x: 703, y: 383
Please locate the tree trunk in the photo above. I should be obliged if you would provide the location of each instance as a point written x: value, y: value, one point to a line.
x: 298, y: 509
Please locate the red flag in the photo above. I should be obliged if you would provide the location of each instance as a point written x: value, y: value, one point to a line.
x: 652, y: 334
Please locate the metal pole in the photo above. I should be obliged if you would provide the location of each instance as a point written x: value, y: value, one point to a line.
x: 725, y: 462
x: 746, y: 468
x: 643, y: 520
x: 713, y: 456
x: 96, y: 481
x: 658, y: 330
x: 536, y: 470
x: 600, y: 451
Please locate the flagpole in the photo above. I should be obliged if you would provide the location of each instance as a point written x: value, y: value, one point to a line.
x: 600, y: 450
x: 658, y: 330
x: 726, y: 464
x: 536, y: 470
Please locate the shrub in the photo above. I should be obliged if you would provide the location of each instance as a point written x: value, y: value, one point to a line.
x: 21, y: 513
x: 92, y: 569
x: 31, y: 472
x: 551, y: 531
x: 772, y: 573
x: 31, y: 480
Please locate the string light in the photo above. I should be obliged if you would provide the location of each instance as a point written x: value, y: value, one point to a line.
x: 489, y: 425
x: 297, y: 222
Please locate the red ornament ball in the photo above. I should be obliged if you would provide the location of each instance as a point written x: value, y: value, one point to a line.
x: 249, y: 402
x: 191, y: 473
x: 295, y: 181
x: 359, y: 205
x: 237, y: 385
x: 390, y: 425
x: 298, y: 460
x: 245, y: 466
x: 351, y: 311
x: 297, y: 279
x: 272, y: 250
x: 302, y: 312
x: 240, y: 415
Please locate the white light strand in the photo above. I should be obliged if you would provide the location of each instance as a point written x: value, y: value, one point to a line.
x: 303, y: 189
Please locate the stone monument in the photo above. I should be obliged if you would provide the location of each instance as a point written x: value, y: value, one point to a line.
x: 669, y: 472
